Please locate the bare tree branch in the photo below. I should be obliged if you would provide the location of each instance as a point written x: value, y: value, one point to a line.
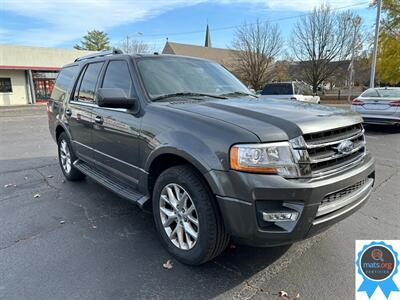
x: 257, y: 45
x: 320, y: 38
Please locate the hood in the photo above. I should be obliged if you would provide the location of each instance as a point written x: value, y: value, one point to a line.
x: 272, y: 120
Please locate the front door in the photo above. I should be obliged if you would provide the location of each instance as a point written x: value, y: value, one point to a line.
x: 80, y: 109
x: 116, y: 131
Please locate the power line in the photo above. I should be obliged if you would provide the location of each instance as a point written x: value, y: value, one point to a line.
x: 236, y: 26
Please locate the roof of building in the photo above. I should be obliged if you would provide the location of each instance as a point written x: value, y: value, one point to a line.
x: 225, y: 57
x: 37, y: 58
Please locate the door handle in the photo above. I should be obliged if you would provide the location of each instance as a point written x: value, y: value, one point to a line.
x: 68, y: 112
x: 98, y: 119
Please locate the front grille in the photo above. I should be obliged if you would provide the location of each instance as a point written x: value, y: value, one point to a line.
x: 337, y: 196
x: 324, y: 155
x: 344, y: 198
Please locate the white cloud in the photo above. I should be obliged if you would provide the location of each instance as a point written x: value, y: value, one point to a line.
x: 62, y: 21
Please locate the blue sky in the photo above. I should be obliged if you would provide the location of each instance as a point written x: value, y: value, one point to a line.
x: 61, y: 23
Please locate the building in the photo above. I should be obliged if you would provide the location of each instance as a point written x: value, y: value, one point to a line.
x: 27, y: 74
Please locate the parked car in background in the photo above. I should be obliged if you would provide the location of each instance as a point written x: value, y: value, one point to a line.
x: 379, y: 105
x: 292, y: 90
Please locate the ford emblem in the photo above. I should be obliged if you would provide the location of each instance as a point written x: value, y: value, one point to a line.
x: 345, y: 147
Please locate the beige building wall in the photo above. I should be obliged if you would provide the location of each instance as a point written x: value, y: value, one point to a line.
x: 19, y: 94
x: 26, y: 56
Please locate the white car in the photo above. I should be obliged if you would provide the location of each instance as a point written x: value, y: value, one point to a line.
x: 292, y: 90
x: 379, y: 105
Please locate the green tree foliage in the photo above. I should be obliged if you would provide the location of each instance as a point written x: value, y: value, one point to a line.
x: 94, y: 40
x: 388, y: 63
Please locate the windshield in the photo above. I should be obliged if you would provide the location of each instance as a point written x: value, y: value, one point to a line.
x: 175, y: 75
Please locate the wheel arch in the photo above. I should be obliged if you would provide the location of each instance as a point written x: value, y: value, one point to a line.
x: 168, y: 157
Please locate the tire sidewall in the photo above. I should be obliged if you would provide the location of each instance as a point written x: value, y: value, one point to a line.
x: 64, y: 137
x: 201, y: 199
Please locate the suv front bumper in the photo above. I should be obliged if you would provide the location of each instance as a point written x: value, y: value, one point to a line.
x: 243, y: 197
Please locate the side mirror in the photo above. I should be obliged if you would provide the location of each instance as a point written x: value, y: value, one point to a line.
x: 115, y: 98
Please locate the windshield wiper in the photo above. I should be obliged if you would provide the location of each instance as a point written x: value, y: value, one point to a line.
x: 188, y: 94
x: 238, y: 93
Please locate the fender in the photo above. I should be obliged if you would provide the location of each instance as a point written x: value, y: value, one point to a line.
x: 187, y: 146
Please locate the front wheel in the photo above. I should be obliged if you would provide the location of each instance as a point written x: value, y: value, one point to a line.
x: 66, y: 157
x: 186, y: 216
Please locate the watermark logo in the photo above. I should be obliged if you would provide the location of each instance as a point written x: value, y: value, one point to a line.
x: 377, y: 262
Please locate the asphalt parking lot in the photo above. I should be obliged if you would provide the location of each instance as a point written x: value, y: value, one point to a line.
x: 76, y: 240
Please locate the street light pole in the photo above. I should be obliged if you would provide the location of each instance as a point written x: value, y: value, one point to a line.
x: 374, y: 54
x: 356, y: 24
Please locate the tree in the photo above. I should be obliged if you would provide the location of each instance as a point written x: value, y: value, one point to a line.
x: 135, y: 46
x: 94, y: 40
x: 388, y: 62
x: 318, y: 40
x: 257, y: 46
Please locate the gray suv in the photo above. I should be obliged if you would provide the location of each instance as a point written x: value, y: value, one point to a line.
x: 184, y: 138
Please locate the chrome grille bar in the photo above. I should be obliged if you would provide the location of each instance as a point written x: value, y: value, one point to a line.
x: 313, y: 145
x: 323, y: 154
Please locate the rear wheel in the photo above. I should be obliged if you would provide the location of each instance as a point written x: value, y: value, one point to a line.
x: 186, y: 216
x: 66, y: 158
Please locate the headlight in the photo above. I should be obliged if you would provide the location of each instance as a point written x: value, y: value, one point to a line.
x: 271, y: 158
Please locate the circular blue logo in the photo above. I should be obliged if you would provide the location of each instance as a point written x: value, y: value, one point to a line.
x: 377, y: 263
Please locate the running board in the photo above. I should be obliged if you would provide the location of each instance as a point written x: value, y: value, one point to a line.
x: 113, y: 184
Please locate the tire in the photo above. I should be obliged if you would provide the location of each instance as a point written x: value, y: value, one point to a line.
x: 66, y: 157
x: 211, y: 236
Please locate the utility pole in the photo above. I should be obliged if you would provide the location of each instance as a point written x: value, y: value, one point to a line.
x: 127, y: 44
x: 374, y: 54
x: 356, y: 24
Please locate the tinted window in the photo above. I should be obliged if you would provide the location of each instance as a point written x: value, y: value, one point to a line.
x: 63, y: 83
x: 277, y: 89
x: 5, y: 85
x: 88, y: 85
x: 389, y: 93
x: 118, y: 76
x: 370, y: 93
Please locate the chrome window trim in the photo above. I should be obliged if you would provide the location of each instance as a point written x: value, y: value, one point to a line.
x: 93, y: 105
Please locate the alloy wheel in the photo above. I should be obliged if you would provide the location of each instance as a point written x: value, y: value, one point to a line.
x: 179, y: 216
x: 65, y: 156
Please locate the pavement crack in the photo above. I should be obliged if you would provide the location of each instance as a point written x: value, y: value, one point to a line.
x: 229, y: 269
x: 30, y: 237
x: 249, y: 288
x: 45, y: 179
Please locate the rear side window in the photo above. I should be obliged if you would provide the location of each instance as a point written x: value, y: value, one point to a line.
x: 278, y: 89
x: 118, y: 76
x: 389, y: 93
x: 370, y: 93
x: 88, y: 84
x: 64, y: 83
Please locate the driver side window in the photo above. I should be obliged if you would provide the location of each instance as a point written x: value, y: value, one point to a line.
x: 118, y: 76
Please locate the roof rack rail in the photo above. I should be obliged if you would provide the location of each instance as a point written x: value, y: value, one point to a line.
x: 100, y: 54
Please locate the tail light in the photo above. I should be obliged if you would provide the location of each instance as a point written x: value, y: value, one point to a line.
x: 394, y: 103
x: 357, y: 102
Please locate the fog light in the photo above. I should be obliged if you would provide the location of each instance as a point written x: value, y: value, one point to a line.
x: 280, y: 216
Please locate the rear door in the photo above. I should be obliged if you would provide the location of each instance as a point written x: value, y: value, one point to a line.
x: 375, y: 102
x: 80, y: 109
x: 116, y: 131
